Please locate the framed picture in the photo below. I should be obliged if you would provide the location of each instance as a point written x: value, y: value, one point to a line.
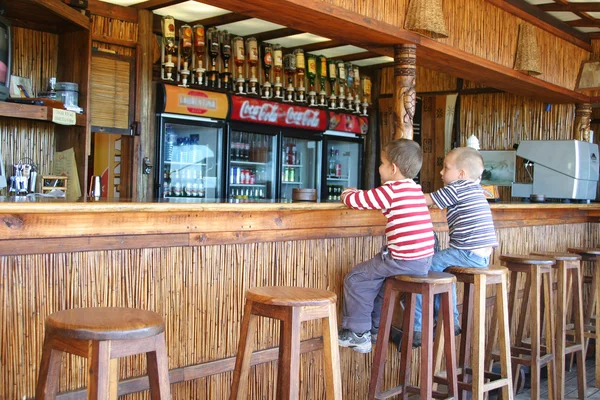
x: 589, y: 75
x: 499, y: 167
x: 20, y: 87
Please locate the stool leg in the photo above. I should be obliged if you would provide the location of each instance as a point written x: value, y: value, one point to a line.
x: 550, y: 334
x: 387, y: 310
x: 535, y: 291
x: 99, y: 370
x: 426, y: 376
x: 113, y: 369
x: 408, y: 326
x: 450, y: 347
x: 333, y: 377
x: 47, y: 385
x: 239, y: 386
x: 504, y: 338
x: 478, y: 343
x: 464, y: 360
x: 596, y: 296
x: 158, y: 370
x: 561, y: 323
x: 288, y: 366
x: 578, y: 311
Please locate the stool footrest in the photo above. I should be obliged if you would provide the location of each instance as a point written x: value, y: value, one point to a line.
x: 573, y: 348
x: 395, y: 391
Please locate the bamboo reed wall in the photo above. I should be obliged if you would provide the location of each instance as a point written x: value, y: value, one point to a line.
x: 200, y: 292
x: 115, y: 29
x: 482, y: 29
x: 427, y: 80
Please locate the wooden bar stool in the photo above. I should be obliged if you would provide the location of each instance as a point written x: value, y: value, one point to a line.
x: 538, y: 274
x: 426, y: 285
x: 472, y: 341
x: 591, y: 255
x: 568, y: 264
x: 102, y: 335
x: 290, y: 305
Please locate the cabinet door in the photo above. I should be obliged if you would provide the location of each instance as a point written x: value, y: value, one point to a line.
x: 300, y: 165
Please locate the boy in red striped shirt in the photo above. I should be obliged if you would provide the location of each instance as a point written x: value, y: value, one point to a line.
x: 409, y: 235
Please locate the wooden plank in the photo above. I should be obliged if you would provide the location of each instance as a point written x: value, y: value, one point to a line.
x: 152, y: 5
x: 58, y: 8
x: 115, y: 11
x: 224, y: 19
x: 570, y: 7
x: 108, y: 39
x: 358, y: 56
x: 274, y: 34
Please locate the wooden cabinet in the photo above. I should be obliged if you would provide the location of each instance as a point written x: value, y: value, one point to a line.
x: 73, y: 54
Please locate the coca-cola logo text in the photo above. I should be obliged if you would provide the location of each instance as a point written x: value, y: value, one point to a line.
x: 277, y: 114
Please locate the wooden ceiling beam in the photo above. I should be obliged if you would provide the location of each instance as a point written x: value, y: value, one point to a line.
x: 274, y: 34
x: 152, y: 5
x: 224, y: 19
x: 315, y: 47
x: 542, y: 20
x: 357, y: 56
x: 109, y: 10
x: 583, y: 23
x: 570, y: 7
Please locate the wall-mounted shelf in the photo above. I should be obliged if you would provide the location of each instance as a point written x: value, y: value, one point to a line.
x: 45, y: 15
x: 28, y: 111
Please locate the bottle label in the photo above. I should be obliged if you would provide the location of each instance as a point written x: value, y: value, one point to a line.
x: 332, y: 71
x: 278, y: 58
x: 323, y: 69
x: 168, y: 27
x: 367, y: 86
x: 342, y: 72
x: 238, y: 47
x: 199, y: 36
x: 186, y: 37
x: 268, y: 59
x: 252, y: 51
x: 300, y: 60
x: 312, y: 66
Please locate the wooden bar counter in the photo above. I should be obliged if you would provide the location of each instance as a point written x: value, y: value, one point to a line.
x: 192, y: 262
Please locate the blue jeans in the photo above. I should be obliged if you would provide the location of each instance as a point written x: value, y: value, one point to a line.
x: 442, y: 260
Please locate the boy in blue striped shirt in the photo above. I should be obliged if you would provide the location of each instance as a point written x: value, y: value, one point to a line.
x: 472, y: 233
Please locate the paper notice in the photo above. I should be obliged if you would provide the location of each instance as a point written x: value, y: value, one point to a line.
x: 63, y: 117
x: 64, y: 164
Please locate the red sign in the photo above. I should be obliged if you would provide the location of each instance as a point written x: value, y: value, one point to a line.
x: 348, y: 123
x: 280, y: 114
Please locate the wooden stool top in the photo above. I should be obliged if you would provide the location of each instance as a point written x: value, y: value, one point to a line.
x: 105, y: 323
x: 527, y: 259
x: 585, y: 251
x: 494, y: 270
x: 558, y: 255
x: 431, y: 277
x: 290, y: 296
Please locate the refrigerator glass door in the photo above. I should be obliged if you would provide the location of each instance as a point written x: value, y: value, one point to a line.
x: 342, y: 167
x: 251, y: 166
x: 192, y: 160
x: 300, y: 165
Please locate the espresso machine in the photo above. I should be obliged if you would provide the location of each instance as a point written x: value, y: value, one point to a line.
x: 24, y: 178
x: 562, y: 169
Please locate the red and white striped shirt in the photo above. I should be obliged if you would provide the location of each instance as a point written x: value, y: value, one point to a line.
x: 409, y: 231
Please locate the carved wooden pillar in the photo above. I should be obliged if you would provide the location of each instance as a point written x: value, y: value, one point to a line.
x: 405, y: 70
x: 581, y: 127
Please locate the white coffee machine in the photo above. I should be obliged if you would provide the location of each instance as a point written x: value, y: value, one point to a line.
x: 562, y: 169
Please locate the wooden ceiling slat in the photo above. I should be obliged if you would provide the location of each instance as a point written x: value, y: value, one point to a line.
x: 570, y: 7
x: 109, y: 10
x: 357, y: 56
x: 224, y: 19
x: 274, y: 34
x: 314, y: 47
x: 156, y: 4
x: 584, y: 23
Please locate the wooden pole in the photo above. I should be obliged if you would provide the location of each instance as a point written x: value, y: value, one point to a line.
x: 405, y: 69
x: 581, y: 127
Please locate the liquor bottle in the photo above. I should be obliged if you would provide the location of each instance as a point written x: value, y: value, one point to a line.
x: 277, y: 67
x: 300, y: 69
x: 185, y: 51
x: 239, y: 57
x: 252, y: 53
x: 332, y: 162
x: 199, y: 50
x: 366, y: 91
x: 322, y: 80
x: 225, y: 56
x: 168, y: 32
x: 311, y: 72
x: 356, y: 90
x: 267, y: 60
x: 332, y: 74
x: 341, y: 75
x: 213, y: 51
x: 289, y: 64
x: 350, y: 84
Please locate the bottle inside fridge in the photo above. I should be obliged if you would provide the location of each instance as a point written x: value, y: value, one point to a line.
x: 343, y: 160
x: 299, y: 165
x: 190, y: 164
x: 251, y: 166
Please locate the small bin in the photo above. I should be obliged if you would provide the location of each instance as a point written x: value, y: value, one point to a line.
x: 68, y: 93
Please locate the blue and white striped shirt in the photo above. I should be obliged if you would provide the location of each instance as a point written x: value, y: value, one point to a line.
x: 469, y: 215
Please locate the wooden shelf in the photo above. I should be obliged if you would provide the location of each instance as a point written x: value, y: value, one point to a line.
x: 27, y: 111
x: 46, y: 15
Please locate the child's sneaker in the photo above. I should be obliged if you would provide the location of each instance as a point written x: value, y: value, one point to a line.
x: 360, y: 343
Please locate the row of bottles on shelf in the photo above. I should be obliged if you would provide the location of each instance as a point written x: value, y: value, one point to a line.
x: 184, y: 183
x: 289, y: 154
x: 335, y: 167
x: 334, y: 192
x: 247, y: 176
x: 290, y: 174
x: 250, y: 147
x: 183, y: 149
x: 245, y: 194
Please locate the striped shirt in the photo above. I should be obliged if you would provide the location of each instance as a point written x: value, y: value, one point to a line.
x: 469, y: 215
x: 408, y: 231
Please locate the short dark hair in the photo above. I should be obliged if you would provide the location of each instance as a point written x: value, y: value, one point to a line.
x: 406, y: 154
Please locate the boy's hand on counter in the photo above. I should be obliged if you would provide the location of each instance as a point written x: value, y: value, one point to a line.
x: 346, y: 192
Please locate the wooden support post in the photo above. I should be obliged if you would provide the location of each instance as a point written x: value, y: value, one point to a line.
x: 405, y: 69
x: 581, y: 128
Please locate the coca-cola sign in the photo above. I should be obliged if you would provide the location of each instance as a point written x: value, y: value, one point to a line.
x: 268, y: 112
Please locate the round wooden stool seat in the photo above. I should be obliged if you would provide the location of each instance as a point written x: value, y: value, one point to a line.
x: 558, y: 256
x: 492, y: 271
x: 585, y: 251
x: 527, y: 259
x: 436, y: 278
x: 110, y: 323
x: 290, y: 296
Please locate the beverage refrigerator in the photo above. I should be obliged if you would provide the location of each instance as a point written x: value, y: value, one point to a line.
x: 190, y: 138
x: 301, y: 166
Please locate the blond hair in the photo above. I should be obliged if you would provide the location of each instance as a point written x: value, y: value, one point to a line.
x: 469, y: 160
x: 406, y: 154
